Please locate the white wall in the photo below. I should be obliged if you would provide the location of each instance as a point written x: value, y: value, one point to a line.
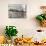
x: 24, y: 26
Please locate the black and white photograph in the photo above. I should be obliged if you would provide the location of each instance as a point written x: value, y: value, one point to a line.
x: 17, y: 10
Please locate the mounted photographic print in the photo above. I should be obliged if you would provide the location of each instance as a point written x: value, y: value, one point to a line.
x: 17, y: 11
